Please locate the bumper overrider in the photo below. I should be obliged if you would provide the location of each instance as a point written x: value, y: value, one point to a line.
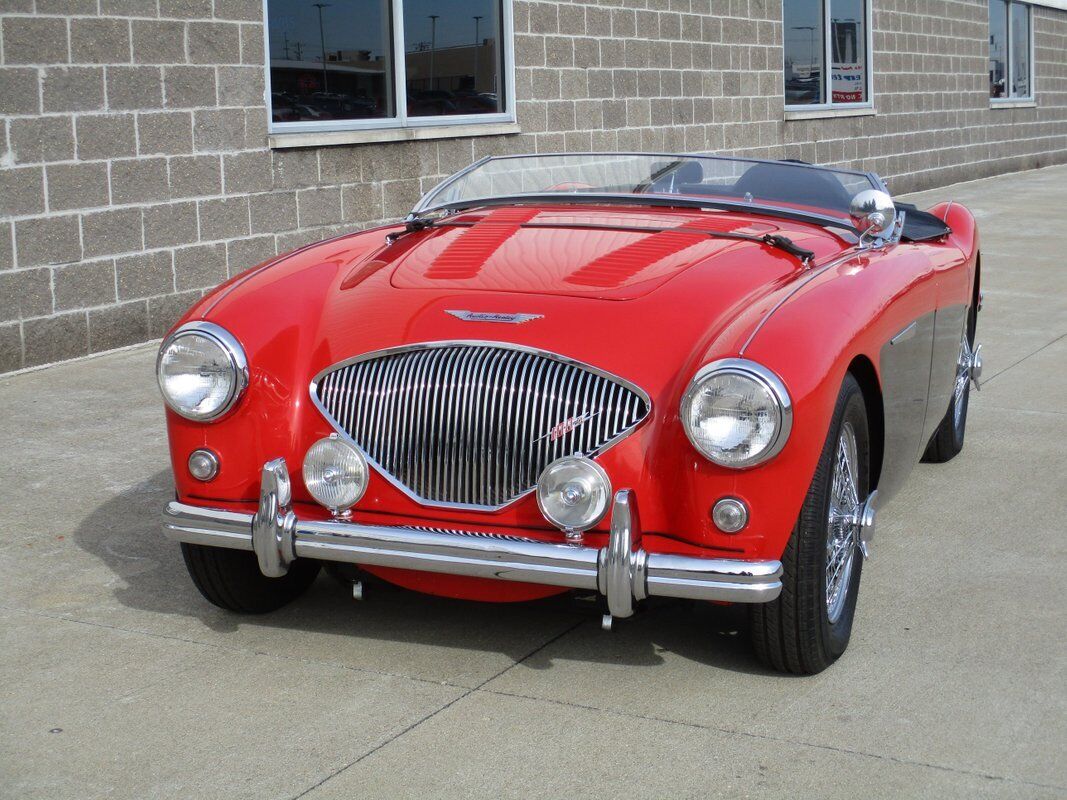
x: 622, y: 571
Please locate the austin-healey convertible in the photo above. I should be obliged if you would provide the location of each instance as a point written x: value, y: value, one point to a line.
x: 634, y: 375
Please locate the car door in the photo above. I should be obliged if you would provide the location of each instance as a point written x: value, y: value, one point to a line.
x: 905, y: 360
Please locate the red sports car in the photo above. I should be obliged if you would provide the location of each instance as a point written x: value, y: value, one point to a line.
x: 631, y: 374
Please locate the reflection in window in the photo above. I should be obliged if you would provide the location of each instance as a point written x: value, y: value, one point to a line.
x: 804, y: 52
x: 848, y: 41
x: 816, y: 35
x: 329, y: 61
x: 452, y: 56
x: 1020, y: 50
x: 998, y: 48
x: 334, y: 61
x: 1010, y: 70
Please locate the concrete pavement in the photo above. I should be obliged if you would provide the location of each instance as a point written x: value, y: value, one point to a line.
x: 117, y: 680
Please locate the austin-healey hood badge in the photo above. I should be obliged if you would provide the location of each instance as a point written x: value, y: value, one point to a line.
x: 493, y: 316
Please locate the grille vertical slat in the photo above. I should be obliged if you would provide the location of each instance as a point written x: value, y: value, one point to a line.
x: 471, y: 424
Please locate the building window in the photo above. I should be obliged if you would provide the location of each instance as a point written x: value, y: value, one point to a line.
x: 335, y: 66
x: 1010, y: 51
x: 821, y: 32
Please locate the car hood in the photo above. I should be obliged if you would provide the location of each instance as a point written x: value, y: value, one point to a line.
x: 592, y: 285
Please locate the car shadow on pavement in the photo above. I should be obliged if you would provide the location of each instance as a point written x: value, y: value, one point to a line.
x: 124, y: 533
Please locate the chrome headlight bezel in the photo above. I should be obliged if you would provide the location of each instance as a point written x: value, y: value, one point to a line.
x: 233, y: 353
x: 765, y: 379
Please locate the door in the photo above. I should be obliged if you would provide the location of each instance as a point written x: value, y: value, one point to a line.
x: 904, y: 362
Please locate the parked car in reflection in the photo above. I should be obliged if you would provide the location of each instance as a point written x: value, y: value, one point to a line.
x: 431, y: 103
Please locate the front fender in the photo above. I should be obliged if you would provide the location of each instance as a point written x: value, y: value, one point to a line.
x: 846, y: 313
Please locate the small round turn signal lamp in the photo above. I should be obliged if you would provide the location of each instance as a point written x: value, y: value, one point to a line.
x: 203, y: 465
x: 573, y: 493
x: 729, y: 515
x: 335, y: 474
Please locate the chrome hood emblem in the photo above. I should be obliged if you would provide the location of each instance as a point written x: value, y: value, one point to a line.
x: 493, y: 316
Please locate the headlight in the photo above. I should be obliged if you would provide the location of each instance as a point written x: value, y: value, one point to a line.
x: 335, y: 473
x: 202, y: 371
x: 573, y: 493
x: 737, y: 413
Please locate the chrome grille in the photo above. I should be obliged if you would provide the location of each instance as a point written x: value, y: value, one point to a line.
x: 471, y: 424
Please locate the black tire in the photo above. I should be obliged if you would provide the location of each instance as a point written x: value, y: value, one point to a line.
x: 794, y: 632
x: 231, y: 579
x: 947, y: 441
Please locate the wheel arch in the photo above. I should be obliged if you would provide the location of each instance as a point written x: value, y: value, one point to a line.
x: 862, y: 369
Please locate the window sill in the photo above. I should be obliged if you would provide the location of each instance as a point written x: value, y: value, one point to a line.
x: 1021, y: 103
x: 829, y: 113
x: 278, y: 141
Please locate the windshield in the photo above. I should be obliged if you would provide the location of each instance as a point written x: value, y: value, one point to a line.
x: 615, y: 177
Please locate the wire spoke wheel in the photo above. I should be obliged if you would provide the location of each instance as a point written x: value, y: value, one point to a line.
x: 947, y: 441
x: 843, y: 530
x: 963, y: 377
x: 808, y: 626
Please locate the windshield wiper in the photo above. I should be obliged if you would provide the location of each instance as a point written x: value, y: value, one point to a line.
x: 786, y: 244
x: 414, y: 224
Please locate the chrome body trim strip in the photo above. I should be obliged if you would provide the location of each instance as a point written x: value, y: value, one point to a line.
x: 547, y: 370
x: 623, y: 570
x: 904, y: 335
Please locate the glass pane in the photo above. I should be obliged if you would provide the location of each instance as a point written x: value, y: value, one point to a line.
x: 803, y: 52
x: 330, y: 60
x: 1020, y: 50
x: 998, y: 48
x: 453, y: 57
x: 848, y: 46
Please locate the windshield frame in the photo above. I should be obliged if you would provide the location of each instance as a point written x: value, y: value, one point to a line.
x: 425, y: 206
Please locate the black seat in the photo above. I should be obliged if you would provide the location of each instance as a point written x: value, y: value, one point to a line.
x: 803, y: 187
x: 690, y: 172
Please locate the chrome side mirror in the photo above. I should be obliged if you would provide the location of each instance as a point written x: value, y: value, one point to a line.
x: 873, y: 213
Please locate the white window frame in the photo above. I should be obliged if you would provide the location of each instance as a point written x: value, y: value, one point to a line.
x: 399, y: 88
x: 830, y: 107
x: 1015, y: 101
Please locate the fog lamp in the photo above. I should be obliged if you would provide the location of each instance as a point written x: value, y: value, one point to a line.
x: 203, y: 465
x: 729, y: 515
x: 573, y: 493
x: 335, y: 473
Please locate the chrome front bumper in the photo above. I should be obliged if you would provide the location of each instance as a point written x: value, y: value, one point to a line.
x: 622, y: 571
